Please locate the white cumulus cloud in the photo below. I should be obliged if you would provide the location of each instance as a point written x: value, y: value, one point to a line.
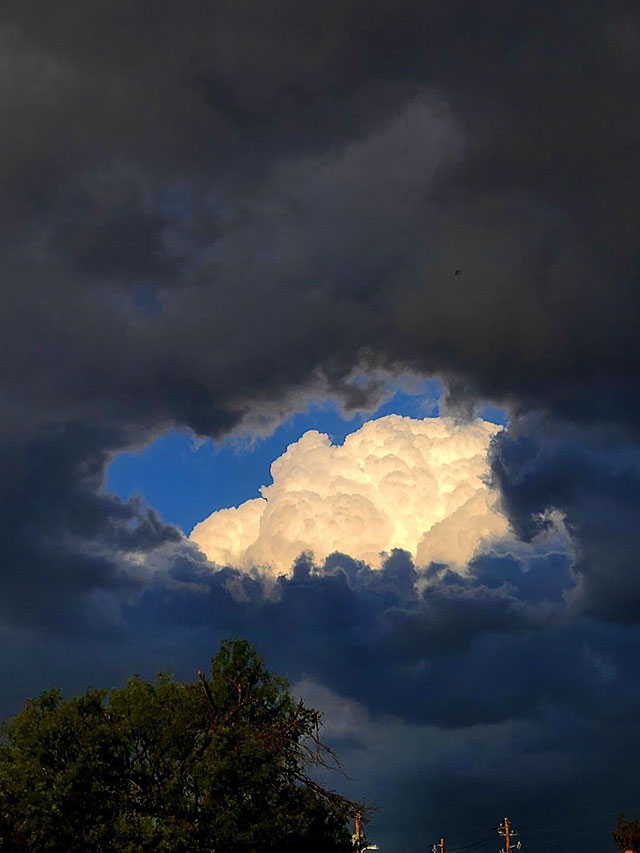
x: 397, y: 482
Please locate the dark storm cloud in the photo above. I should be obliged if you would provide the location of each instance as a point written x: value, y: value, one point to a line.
x: 355, y: 629
x: 62, y: 539
x: 453, y: 684
x: 486, y: 698
x: 212, y: 211
x: 333, y: 168
x: 507, y: 713
x: 593, y: 480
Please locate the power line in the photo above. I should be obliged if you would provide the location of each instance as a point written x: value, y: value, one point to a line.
x: 599, y: 818
x: 600, y: 815
x: 469, y: 846
x: 563, y: 839
x: 542, y: 831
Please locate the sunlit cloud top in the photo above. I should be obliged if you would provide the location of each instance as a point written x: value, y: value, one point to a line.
x: 397, y: 482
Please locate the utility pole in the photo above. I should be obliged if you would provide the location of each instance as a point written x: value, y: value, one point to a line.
x: 438, y: 848
x: 508, y: 832
x: 358, y: 840
x: 442, y: 845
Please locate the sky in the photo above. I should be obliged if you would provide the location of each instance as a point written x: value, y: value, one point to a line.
x: 353, y: 289
x: 185, y: 477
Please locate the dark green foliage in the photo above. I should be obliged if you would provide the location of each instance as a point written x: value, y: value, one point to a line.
x: 216, y: 765
x: 627, y: 834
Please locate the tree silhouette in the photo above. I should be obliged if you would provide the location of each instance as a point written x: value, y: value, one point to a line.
x: 221, y: 765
